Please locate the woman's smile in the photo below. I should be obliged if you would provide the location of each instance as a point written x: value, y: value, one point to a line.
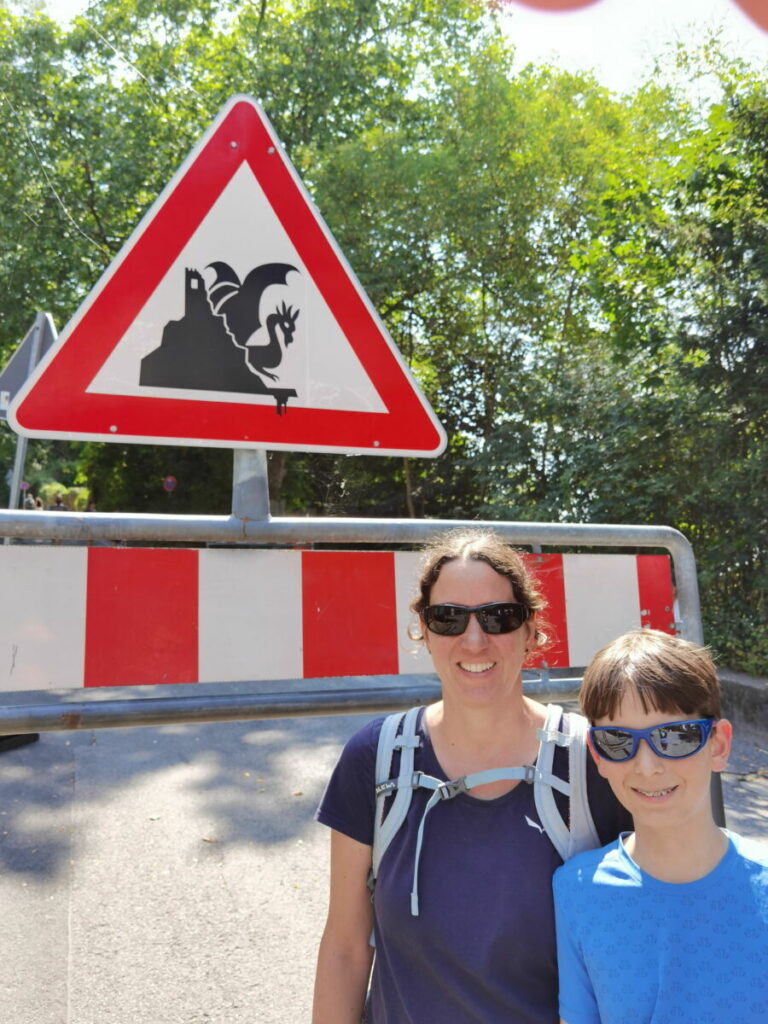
x: 483, y: 667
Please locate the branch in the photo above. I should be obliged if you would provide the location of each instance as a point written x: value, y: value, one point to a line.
x: 91, y: 204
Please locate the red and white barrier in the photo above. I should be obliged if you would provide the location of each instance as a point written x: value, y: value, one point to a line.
x: 76, y: 616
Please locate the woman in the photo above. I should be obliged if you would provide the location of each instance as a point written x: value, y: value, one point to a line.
x: 482, y: 945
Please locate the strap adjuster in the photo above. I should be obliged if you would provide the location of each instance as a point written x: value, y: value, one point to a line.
x: 402, y: 742
x: 448, y: 790
x: 530, y: 773
x: 560, y: 739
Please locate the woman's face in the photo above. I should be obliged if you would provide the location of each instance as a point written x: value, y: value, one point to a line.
x: 476, y: 669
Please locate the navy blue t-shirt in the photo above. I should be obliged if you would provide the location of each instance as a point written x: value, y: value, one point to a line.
x: 482, y: 949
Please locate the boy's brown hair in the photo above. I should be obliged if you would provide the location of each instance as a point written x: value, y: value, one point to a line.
x: 666, y: 672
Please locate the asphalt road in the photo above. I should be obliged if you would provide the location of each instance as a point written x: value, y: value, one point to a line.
x: 175, y: 875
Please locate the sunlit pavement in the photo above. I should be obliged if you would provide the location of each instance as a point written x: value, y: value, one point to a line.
x: 175, y: 875
x: 745, y: 783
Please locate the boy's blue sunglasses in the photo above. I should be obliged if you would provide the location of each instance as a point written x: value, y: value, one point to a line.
x: 672, y: 739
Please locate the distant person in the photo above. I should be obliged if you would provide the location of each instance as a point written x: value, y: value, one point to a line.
x: 29, y: 505
x: 670, y: 922
x: 58, y: 504
x: 39, y: 504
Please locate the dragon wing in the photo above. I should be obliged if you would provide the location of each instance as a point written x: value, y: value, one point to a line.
x: 260, y: 278
x: 226, y: 285
x: 239, y: 303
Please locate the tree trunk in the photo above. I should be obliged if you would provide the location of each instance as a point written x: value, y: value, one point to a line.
x: 276, y: 468
x: 408, y: 489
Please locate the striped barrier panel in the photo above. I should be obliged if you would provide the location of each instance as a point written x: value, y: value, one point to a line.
x: 75, y: 616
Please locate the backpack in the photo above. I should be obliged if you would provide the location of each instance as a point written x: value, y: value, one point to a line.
x: 398, y: 732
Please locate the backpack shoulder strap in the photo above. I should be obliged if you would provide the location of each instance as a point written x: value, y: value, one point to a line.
x: 392, y: 737
x: 398, y: 732
x: 583, y: 832
x: 544, y: 796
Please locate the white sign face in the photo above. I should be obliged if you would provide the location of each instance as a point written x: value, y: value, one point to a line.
x: 317, y: 363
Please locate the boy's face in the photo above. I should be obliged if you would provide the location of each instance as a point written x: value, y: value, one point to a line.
x: 660, y: 791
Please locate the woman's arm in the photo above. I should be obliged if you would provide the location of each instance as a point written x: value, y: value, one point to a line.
x: 345, y: 956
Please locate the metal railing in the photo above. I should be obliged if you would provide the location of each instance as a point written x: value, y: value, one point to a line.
x: 251, y: 523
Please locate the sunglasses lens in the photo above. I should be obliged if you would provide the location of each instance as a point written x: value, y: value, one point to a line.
x: 502, y: 618
x: 676, y: 739
x: 446, y: 619
x: 452, y: 619
x: 679, y: 740
x: 613, y: 744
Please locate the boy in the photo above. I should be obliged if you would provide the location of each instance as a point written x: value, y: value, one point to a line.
x: 670, y: 923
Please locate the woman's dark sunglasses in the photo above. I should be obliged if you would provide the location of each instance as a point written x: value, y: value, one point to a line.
x: 453, y: 619
x: 672, y: 739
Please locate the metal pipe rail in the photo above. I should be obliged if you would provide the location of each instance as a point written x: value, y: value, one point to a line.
x: 153, y: 711
x: 243, y: 529
x: 234, y: 529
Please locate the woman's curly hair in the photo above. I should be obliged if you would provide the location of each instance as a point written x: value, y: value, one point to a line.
x: 481, y: 546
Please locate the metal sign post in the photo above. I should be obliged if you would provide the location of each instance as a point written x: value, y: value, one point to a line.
x: 21, y: 366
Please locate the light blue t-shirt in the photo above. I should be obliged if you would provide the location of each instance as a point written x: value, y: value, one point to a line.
x: 634, y: 950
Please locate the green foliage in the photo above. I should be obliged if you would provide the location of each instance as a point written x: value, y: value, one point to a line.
x: 129, y: 478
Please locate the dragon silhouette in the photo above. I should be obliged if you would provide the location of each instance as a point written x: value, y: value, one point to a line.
x: 216, y: 345
x: 238, y: 304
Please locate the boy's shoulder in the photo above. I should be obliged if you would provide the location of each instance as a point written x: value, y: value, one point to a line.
x: 610, y: 865
x: 752, y: 851
x: 589, y: 866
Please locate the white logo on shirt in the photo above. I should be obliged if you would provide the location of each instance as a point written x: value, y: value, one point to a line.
x: 534, y: 824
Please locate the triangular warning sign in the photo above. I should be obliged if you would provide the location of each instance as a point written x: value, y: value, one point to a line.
x: 230, y: 318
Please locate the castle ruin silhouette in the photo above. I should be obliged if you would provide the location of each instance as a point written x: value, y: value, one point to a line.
x: 198, y: 353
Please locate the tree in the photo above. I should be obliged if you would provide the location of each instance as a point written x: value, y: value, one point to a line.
x: 107, y: 111
x: 577, y: 280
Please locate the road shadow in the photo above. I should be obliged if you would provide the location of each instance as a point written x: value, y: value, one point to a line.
x: 250, y: 782
x: 745, y: 782
x: 243, y: 782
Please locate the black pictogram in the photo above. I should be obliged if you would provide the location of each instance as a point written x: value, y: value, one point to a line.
x: 215, y: 345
